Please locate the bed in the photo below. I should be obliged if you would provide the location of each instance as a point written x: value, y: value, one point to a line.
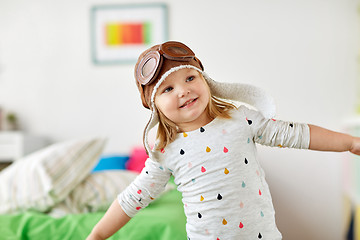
x: 60, y: 193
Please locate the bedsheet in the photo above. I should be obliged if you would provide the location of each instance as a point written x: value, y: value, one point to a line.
x: 164, y: 219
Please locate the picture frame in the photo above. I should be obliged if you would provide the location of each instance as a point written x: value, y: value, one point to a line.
x: 119, y: 33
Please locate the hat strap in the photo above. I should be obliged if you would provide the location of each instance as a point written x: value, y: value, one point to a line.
x: 246, y: 93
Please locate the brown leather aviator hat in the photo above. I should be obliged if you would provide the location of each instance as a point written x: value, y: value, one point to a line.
x: 156, y: 61
x: 159, y: 61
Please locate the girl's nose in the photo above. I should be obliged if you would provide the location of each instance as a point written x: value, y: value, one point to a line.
x: 183, y: 92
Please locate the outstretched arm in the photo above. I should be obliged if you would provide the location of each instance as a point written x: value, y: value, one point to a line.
x: 111, y: 222
x: 325, y: 140
x: 145, y: 188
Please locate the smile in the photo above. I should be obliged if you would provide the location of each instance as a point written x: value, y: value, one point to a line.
x: 188, y: 102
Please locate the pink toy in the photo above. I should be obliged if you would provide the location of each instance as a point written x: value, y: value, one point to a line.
x: 137, y: 159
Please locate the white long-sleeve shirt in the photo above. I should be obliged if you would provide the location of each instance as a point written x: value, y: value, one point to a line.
x: 225, y: 194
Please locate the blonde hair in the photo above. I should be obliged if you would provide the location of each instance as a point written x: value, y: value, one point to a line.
x: 167, y: 130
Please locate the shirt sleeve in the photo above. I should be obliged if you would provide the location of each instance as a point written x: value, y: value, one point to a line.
x: 147, y: 186
x: 277, y: 133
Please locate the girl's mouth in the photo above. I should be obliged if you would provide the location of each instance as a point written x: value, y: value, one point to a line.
x: 187, y: 103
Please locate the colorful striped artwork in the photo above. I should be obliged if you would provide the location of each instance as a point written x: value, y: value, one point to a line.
x: 129, y: 33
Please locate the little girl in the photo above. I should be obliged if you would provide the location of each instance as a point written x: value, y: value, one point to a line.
x: 208, y: 145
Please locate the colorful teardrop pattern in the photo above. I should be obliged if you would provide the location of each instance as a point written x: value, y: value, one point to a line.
x: 249, y: 121
x: 241, y: 225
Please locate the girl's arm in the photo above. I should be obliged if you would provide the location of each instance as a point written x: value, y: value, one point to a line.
x: 146, y: 187
x: 325, y: 140
x: 110, y: 223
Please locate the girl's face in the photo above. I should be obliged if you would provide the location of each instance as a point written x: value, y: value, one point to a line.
x: 183, y: 98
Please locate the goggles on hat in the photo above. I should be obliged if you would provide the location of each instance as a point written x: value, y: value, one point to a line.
x: 149, y: 67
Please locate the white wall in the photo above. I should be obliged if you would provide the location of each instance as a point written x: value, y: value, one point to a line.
x: 303, y: 52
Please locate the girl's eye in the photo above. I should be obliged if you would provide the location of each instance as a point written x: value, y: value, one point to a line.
x: 168, y: 89
x: 189, y: 79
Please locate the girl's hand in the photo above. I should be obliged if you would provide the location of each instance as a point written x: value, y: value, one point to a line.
x: 111, y: 222
x: 355, y: 147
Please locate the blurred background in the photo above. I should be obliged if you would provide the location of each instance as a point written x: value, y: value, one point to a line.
x: 304, y: 52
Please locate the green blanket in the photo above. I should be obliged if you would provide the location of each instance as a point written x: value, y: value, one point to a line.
x: 163, y: 219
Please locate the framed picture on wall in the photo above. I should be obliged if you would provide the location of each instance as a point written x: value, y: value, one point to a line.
x: 119, y: 33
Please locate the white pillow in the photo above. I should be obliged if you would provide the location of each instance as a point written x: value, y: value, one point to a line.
x: 46, y: 177
x: 95, y: 193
